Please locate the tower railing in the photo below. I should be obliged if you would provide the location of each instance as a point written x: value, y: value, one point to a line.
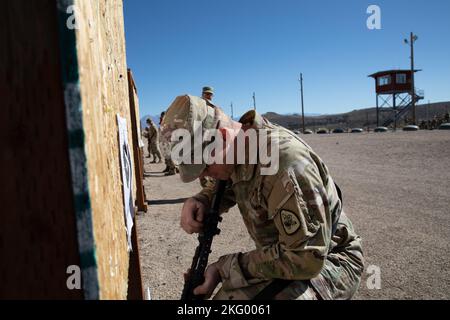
x: 404, y: 107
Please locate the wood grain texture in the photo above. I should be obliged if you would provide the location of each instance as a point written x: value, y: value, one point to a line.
x: 37, y: 223
x: 104, y: 93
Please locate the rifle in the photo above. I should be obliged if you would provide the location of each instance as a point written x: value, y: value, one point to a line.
x: 205, y: 238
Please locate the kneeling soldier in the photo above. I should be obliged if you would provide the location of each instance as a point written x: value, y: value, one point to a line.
x: 306, y: 247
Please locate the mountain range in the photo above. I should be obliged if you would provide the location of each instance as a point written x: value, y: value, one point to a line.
x: 353, y: 119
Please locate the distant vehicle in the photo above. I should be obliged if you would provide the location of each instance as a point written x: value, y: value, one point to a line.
x: 338, y: 130
x: 296, y: 131
x: 322, y: 131
x: 381, y: 129
x: 307, y: 131
x: 411, y: 128
x: 444, y: 126
x: 357, y: 130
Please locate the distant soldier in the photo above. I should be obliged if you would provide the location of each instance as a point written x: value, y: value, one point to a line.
x: 422, y: 125
x: 207, y: 94
x: 171, y: 168
x: 153, y: 142
x: 447, y: 117
x: 434, y: 123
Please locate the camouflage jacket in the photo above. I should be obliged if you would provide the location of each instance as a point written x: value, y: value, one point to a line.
x: 153, y: 134
x: 293, y: 216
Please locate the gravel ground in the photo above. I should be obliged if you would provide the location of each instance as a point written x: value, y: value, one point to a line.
x: 396, y: 190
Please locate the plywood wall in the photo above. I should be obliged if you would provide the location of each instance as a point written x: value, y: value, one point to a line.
x: 104, y: 94
x: 62, y: 200
x: 38, y: 237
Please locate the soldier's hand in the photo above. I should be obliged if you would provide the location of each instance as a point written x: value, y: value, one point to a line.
x: 212, y: 279
x: 192, y: 216
x: 186, y: 275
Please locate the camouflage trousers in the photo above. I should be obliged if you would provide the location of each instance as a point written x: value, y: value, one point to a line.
x: 153, y: 150
x: 319, y: 288
x: 297, y: 290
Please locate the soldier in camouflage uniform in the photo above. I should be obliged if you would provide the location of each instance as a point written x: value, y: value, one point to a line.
x: 434, y: 123
x: 171, y: 168
x: 207, y: 94
x: 294, y: 216
x: 153, y: 142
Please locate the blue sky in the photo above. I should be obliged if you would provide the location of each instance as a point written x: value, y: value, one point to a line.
x: 243, y: 46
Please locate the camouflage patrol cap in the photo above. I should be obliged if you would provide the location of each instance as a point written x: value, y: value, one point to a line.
x: 208, y: 90
x: 195, y: 115
x: 182, y: 114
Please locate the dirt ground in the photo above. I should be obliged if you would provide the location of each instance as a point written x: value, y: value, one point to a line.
x: 396, y: 190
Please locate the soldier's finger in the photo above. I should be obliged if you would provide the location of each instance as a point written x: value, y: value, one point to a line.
x: 189, y: 224
x: 186, y: 274
x: 200, y: 214
x: 200, y: 290
x: 205, y: 289
x: 195, y: 230
x: 195, y: 225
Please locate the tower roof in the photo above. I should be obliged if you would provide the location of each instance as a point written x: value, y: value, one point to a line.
x: 383, y: 73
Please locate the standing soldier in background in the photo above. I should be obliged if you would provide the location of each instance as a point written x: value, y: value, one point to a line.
x: 422, y: 125
x: 171, y: 168
x: 153, y: 142
x: 434, y: 123
x: 207, y: 94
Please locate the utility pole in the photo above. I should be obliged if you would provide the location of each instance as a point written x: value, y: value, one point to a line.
x: 232, y: 115
x: 413, y: 38
x: 254, y: 101
x: 303, y: 108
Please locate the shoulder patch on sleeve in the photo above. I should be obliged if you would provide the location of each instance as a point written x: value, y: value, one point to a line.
x: 290, y: 221
x: 281, y: 190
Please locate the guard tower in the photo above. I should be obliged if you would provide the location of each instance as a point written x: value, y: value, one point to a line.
x: 394, y: 90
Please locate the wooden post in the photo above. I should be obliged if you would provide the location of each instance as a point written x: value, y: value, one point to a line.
x: 135, y: 289
x: 140, y: 196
